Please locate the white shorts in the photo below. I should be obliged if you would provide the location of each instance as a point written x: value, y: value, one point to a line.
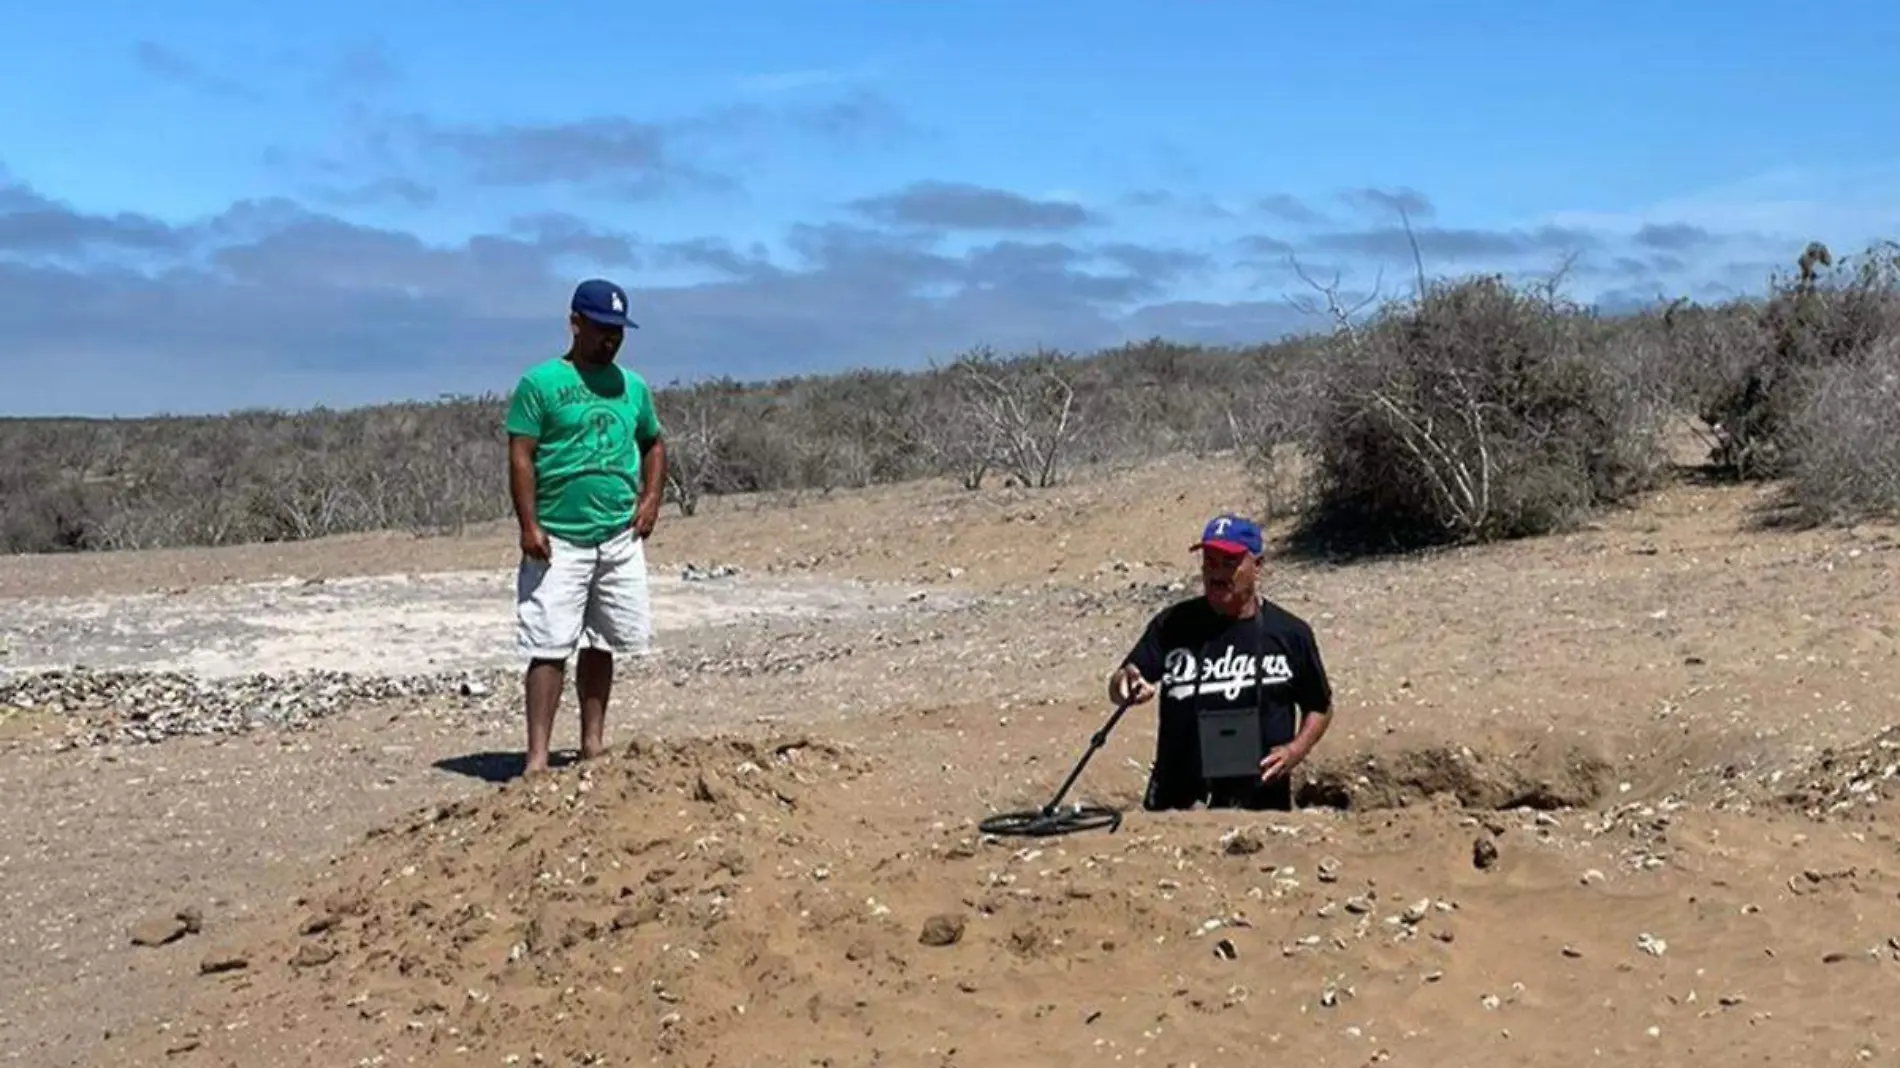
x: 584, y: 599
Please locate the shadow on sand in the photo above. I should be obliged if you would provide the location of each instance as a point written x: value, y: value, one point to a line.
x: 499, y: 767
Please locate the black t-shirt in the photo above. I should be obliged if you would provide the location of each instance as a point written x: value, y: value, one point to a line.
x: 1200, y: 659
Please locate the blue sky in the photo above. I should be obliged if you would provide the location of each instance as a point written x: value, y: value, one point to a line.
x: 207, y: 205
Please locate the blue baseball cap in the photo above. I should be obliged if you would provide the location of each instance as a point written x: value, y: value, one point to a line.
x: 603, y: 302
x: 1231, y: 533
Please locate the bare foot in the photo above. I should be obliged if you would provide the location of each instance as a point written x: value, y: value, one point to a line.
x: 593, y: 754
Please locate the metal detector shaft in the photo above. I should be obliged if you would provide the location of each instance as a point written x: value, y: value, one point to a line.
x: 1096, y: 742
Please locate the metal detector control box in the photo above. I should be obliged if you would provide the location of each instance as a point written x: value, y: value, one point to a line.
x: 1232, y: 745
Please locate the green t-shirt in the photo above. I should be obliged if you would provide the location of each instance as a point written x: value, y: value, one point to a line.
x: 591, y: 425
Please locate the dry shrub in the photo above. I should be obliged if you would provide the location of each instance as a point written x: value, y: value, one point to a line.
x: 1844, y: 439
x: 1828, y: 314
x: 1272, y: 420
x: 1479, y: 412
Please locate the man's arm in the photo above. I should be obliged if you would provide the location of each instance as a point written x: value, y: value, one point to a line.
x: 1314, y: 688
x: 653, y: 472
x: 1142, y: 665
x: 1313, y: 726
x: 523, y: 424
x: 651, y: 436
x: 521, y: 482
x: 1313, y: 694
x: 646, y: 511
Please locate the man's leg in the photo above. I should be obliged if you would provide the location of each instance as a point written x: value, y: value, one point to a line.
x: 593, y: 683
x: 550, y: 608
x: 1172, y: 783
x: 543, y: 688
x: 619, y: 622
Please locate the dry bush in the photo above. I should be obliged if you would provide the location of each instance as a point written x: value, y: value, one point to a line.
x: 1020, y: 415
x: 1273, y: 421
x: 252, y: 476
x: 1478, y: 412
x: 1709, y: 350
x: 1828, y: 314
x: 1843, y: 439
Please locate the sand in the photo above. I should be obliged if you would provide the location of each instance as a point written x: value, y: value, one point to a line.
x: 1620, y: 797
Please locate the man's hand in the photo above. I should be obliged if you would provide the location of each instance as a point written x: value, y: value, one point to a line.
x: 534, y: 543
x: 1282, y: 759
x: 1128, y: 687
x: 645, y: 515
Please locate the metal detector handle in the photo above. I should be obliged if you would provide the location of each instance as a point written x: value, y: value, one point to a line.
x: 1097, y: 741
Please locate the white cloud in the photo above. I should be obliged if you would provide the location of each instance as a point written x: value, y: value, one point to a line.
x: 1847, y: 206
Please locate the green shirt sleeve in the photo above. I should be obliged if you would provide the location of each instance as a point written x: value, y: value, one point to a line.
x: 525, y: 409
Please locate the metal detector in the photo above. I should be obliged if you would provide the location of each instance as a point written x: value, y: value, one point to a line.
x: 1052, y: 819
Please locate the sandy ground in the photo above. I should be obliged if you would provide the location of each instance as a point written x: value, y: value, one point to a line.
x: 1618, y: 797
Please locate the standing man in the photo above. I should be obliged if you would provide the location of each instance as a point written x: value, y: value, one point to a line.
x: 1225, y: 663
x: 586, y: 467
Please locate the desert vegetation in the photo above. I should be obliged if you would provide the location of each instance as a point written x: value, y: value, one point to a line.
x: 1471, y: 409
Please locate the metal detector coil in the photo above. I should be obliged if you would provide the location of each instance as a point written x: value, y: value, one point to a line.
x: 1053, y: 818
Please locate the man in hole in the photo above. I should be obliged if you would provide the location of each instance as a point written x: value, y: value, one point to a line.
x: 1241, y: 682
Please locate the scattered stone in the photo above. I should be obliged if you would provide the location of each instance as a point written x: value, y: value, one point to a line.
x: 1242, y: 841
x: 1837, y: 780
x: 220, y: 963
x: 1651, y: 945
x: 148, y: 707
x: 164, y: 930
x: 1484, y: 854
x: 318, y: 924
x: 941, y: 930
x: 311, y: 955
x: 1328, y: 870
x: 629, y: 918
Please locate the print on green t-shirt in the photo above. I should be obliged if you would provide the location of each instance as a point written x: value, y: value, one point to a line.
x: 590, y: 424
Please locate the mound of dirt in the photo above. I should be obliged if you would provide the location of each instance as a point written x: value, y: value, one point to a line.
x: 1531, y: 773
x: 568, y: 896
x: 751, y: 901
